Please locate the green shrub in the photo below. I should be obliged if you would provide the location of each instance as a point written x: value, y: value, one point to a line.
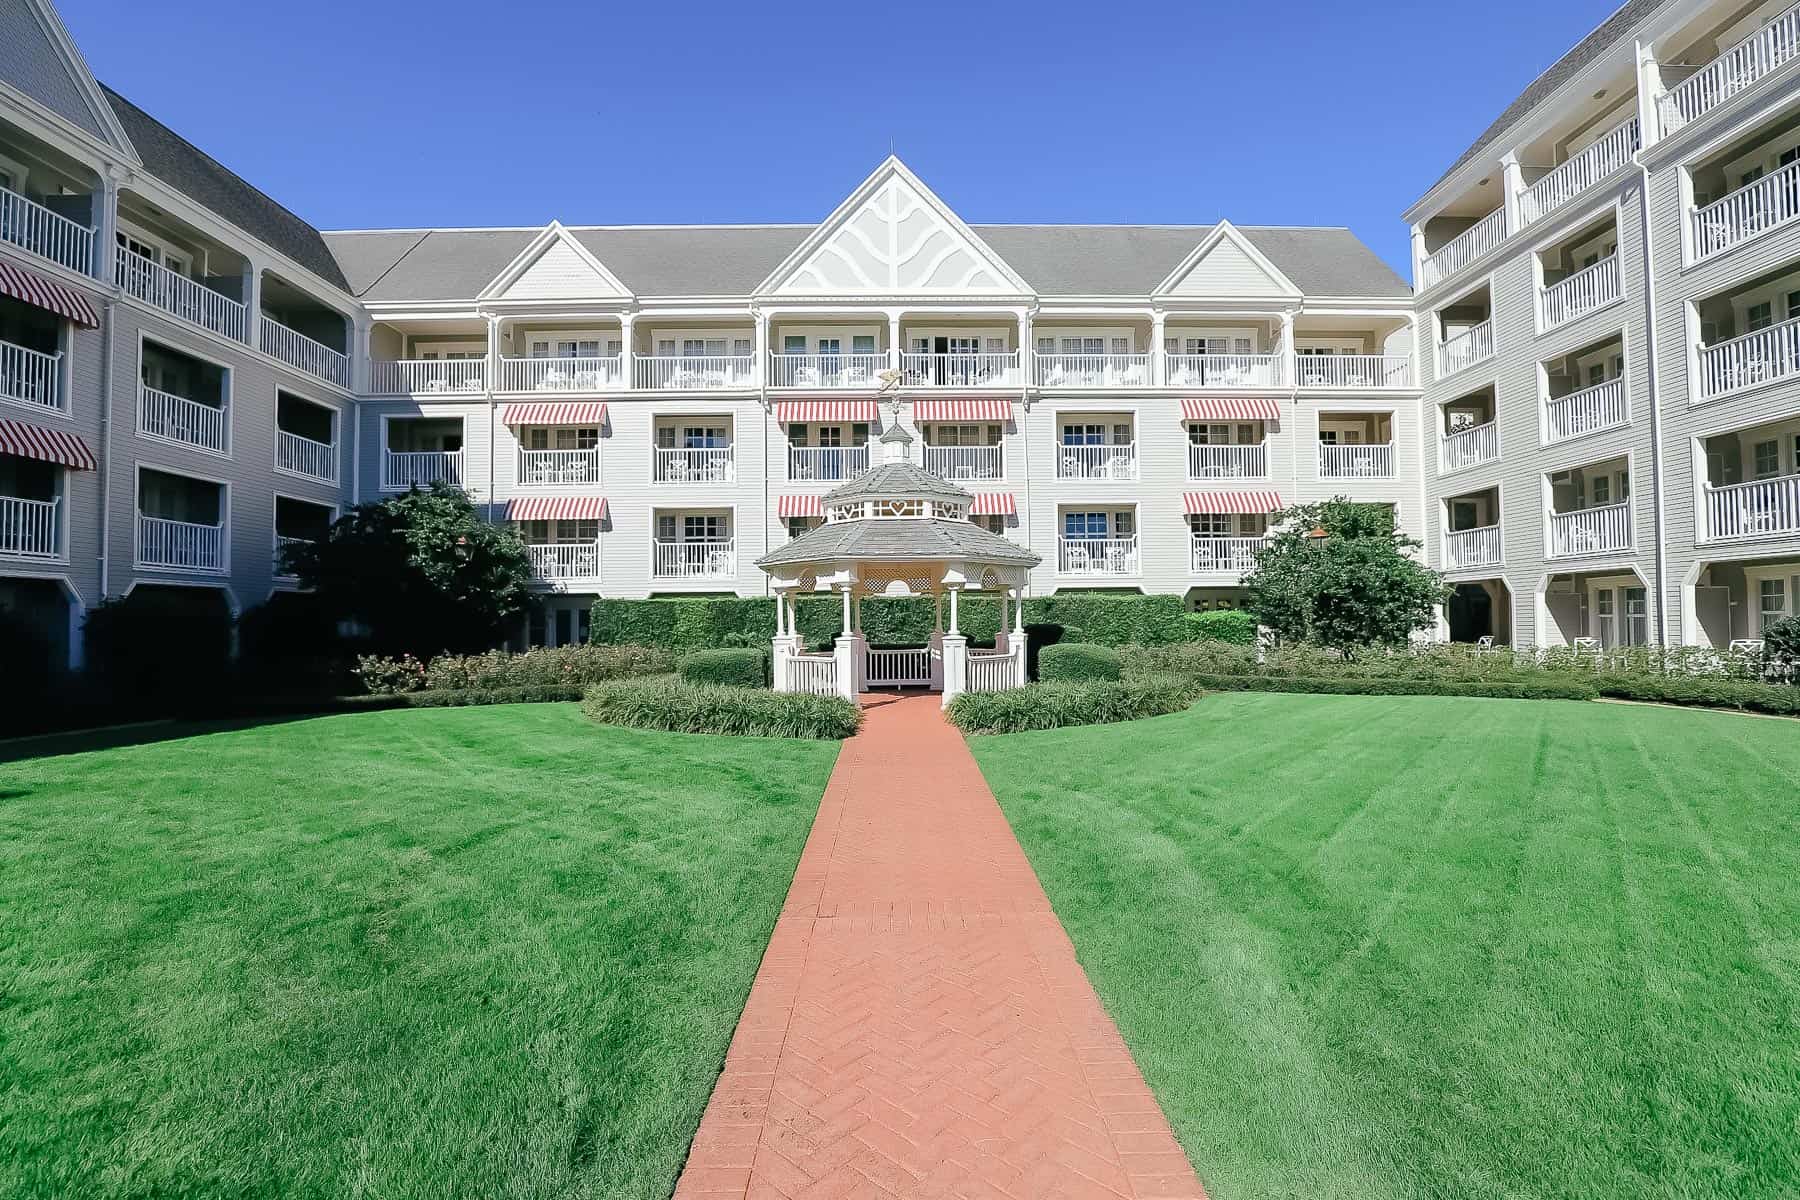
x: 1189, y: 658
x: 1054, y: 705
x: 390, y: 676
x: 1541, y: 687
x: 1113, y: 619
x: 678, y: 706
x: 1773, y: 698
x: 1077, y: 660
x: 536, y: 693
x: 1232, y: 625
x: 744, y: 667
x: 1781, y: 641
x: 160, y: 644
x: 567, y: 666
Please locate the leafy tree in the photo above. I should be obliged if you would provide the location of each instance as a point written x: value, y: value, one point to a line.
x: 421, y: 573
x: 1339, y: 574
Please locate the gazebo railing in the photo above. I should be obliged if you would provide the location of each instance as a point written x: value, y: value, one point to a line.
x: 899, y: 667
x: 994, y: 672
x: 813, y: 674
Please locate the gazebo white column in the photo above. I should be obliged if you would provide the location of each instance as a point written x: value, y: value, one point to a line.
x: 1017, y: 639
x: 786, y: 642
x: 851, y: 652
x: 956, y: 653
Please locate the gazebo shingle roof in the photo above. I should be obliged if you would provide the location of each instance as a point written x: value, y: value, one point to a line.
x: 896, y: 481
x: 900, y: 540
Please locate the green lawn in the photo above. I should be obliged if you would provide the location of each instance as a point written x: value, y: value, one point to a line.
x: 1395, y: 947
x: 486, y: 952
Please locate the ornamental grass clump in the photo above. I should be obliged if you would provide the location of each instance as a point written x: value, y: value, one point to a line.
x: 1070, y: 702
x: 673, y: 704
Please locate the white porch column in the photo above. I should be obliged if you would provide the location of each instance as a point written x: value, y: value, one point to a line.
x: 1027, y: 352
x: 1512, y: 182
x: 627, y: 369
x: 1159, y: 363
x: 1290, y: 358
x: 106, y: 227
x: 253, y: 304
x: 937, y: 641
x: 1419, y: 255
x: 759, y: 346
x: 895, y: 349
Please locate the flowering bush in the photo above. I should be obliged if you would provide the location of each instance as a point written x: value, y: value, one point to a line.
x: 390, y: 676
x: 564, y: 666
x: 1448, y: 663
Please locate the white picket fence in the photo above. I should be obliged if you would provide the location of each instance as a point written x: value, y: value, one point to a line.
x: 994, y: 672
x: 898, y: 667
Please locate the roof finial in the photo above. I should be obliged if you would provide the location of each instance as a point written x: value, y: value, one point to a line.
x: 896, y: 443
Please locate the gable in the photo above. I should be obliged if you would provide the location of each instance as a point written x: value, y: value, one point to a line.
x: 37, y: 58
x: 1227, y: 268
x: 560, y: 273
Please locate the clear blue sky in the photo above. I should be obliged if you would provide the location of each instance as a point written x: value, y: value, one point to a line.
x: 406, y: 113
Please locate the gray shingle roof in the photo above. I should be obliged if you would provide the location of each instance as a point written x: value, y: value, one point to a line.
x: 900, y: 540
x: 199, y: 177
x: 419, y: 264
x: 896, y: 481
x: 719, y: 260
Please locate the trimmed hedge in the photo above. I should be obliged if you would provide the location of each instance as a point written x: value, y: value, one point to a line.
x: 1055, y: 705
x: 744, y: 667
x: 674, y: 705
x: 539, y: 693
x: 1232, y: 625
x: 1775, y: 699
x: 566, y: 666
x: 1078, y: 660
x: 1546, y: 687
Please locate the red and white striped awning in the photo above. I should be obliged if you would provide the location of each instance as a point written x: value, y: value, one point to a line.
x: 989, y: 409
x: 798, y: 506
x: 789, y: 412
x: 21, y: 284
x: 994, y: 504
x: 1221, y: 408
x: 1230, y: 502
x: 45, y: 445
x: 552, y: 413
x: 557, y: 508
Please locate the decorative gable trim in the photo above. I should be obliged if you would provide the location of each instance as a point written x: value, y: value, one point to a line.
x: 555, y: 237
x: 893, y: 236
x: 1222, y: 233
x: 76, y: 65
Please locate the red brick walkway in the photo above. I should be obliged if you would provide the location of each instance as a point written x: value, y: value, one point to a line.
x: 920, y: 1026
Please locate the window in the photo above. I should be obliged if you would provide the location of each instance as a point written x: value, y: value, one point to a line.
x: 1084, y: 435
x: 1596, y: 374
x: 992, y: 522
x: 1210, y: 524
x: 1768, y: 459
x: 1464, y: 514
x: 830, y: 346
x: 1122, y: 524
x: 862, y: 343
x: 1759, y: 316
x: 701, y: 529
x: 1084, y: 525
x: 704, y: 437
x: 799, y: 525
x: 561, y: 438
x: 1084, y: 345
x: 1602, y: 491
x: 1771, y: 605
x: 1637, y: 617
x: 1792, y: 302
x: 793, y: 343
x: 831, y: 435
x: 1046, y: 345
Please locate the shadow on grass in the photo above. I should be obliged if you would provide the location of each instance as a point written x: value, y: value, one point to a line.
x: 142, y: 733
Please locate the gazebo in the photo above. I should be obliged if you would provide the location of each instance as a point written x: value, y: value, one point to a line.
x: 898, y: 530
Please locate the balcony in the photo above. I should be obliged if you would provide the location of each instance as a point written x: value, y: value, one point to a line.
x: 827, y: 372
x: 828, y: 464
x: 404, y: 469
x: 1227, y: 555
x: 1470, y: 447
x: 1093, y: 370
x: 561, y: 561
x: 1116, y: 462
x: 299, y: 455
x: 1737, y: 69
x: 559, y: 468
x: 298, y: 350
x: 965, y: 462
x: 696, y: 464
x: 1589, y: 410
x: 1748, y: 213
x: 1611, y: 153
x: 1465, y: 548
x: 414, y: 376
x: 180, y: 545
x: 1605, y: 529
x: 28, y: 528
x: 603, y: 374
x: 1223, y: 370
x: 961, y: 370
x: 695, y: 373
x: 180, y: 296
x: 1093, y: 557
x: 1754, y: 358
x: 1228, y: 462
x: 1580, y: 294
x: 1356, y: 462
x: 179, y: 419
x: 1359, y: 372
x: 1457, y: 253
x: 30, y: 226
x: 1466, y: 348
x: 703, y: 558
x: 1761, y: 508
x: 29, y: 376
x: 282, y: 546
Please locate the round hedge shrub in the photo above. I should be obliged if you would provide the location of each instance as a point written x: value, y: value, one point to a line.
x: 741, y: 666
x: 1077, y: 661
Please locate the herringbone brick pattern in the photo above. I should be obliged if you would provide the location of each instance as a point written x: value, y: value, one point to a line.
x: 920, y: 1026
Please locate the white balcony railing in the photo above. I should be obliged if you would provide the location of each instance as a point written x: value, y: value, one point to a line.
x: 679, y: 373
x: 402, y: 469
x: 1590, y: 410
x: 1750, y: 60
x: 180, y: 296
x: 558, y: 468
x: 1465, y: 548
x: 1115, y: 462
x: 1600, y: 530
x: 827, y: 371
x: 1759, y: 357
x: 565, y: 560
x: 827, y: 463
x: 1463, y: 249
x: 1612, y: 152
x: 1223, y: 370
x: 699, y: 464
x: 408, y: 376
x: 561, y: 374
x: 1093, y: 370
x: 30, y: 226
x: 180, y: 544
x: 29, y: 376
x: 961, y: 370
x: 965, y: 462
x: 1749, y: 212
x: 1231, y: 555
x: 1466, y: 348
x: 282, y: 546
x: 1373, y: 461
x: 179, y: 419
x: 1354, y: 370
x: 1096, y: 556
x: 1581, y: 293
x: 1469, y: 447
x: 28, y: 528
x: 701, y: 558
x: 303, y: 456
x: 1761, y: 508
x: 297, y: 350
x: 1228, y: 462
